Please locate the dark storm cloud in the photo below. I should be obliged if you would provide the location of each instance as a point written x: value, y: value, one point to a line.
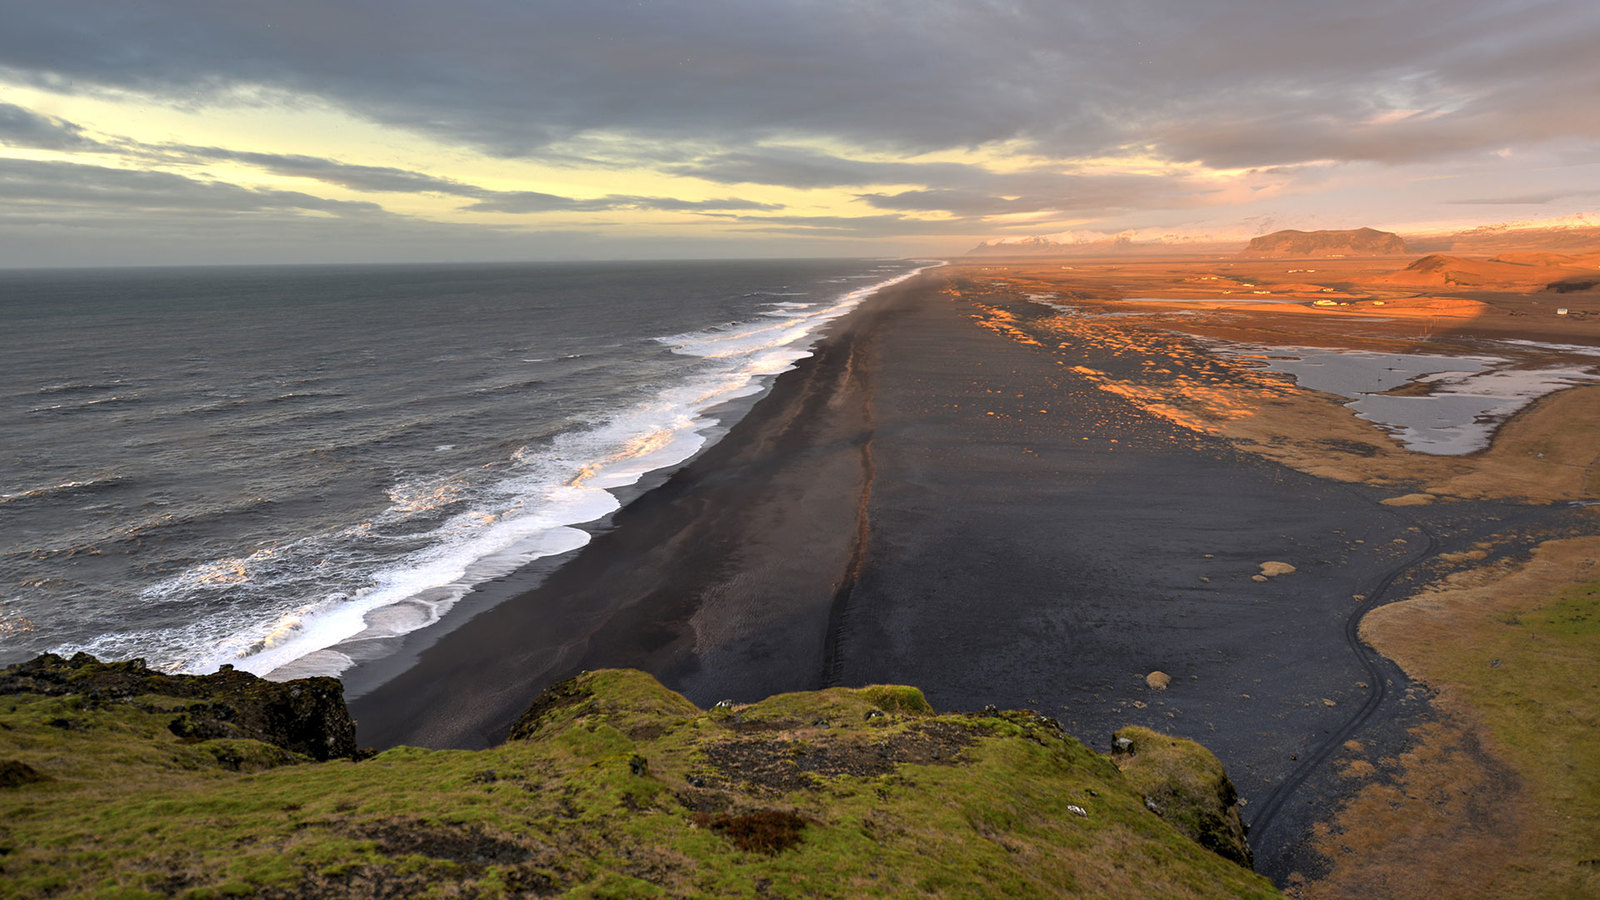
x: 1246, y: 83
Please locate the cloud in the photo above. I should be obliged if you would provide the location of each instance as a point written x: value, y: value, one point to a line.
x: 1528, y: 199
x: 853, y: 226
x: 960, y: 202
x: 380, y: 179
x: 1045, y: 191
x: 21, y: 127
x: 1254, y: 82
x: 69, y: 188
x: 1038, y: 96
x: 375, y: 179
x: 536, y: 202
x: 805, y: 168
x: 1533, y: 199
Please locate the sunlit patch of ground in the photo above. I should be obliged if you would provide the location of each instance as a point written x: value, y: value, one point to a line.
x: 1537, y: 455
x: 1500, y: 799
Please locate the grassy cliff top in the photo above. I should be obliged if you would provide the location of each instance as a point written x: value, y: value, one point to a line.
x: 612, y: 786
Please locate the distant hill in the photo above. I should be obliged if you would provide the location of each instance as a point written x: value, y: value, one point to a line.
x: 1354, y: 242
x: 1095, y: 244
x: 1576, y: 236
x: 1524, y: 271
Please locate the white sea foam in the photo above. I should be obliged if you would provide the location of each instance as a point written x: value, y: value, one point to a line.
x: 529, y: 513
x: 86, y: 484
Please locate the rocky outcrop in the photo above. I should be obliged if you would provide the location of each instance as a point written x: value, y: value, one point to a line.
x: 1185, y: 784
x: 1300, y: 244
x: 305, y: 716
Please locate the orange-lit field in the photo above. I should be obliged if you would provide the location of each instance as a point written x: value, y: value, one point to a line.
x: 1493, y: 798
x: 1162, y: 313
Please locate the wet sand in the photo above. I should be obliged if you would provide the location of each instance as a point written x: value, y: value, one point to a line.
x: 938, y: 501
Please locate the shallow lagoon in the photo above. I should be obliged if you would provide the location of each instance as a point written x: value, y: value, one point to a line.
x: 1458, y: 401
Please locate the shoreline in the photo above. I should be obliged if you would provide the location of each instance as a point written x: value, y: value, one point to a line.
x: 631, y: 596
x: 937, y: 498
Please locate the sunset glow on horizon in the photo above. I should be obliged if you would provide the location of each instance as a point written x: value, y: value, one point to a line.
x: 285, y: 132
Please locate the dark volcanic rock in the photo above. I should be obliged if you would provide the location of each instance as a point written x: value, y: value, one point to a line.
x: 1355, y: 242
x: 305, y: 716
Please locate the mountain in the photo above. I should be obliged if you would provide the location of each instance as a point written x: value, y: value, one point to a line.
x: 1577, y: 234
x: 1300, y: 244
x: 1088, y: 243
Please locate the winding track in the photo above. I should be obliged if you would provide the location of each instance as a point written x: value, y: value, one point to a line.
x: 1379, y: 691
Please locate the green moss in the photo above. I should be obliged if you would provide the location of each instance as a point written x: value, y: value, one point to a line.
x: 1575, y: 614
x: 613, y: 791
x: 1185, y: 784
x: 1533, y: 685
x: 897, y: 698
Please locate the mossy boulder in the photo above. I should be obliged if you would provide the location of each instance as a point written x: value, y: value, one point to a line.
x: 1185, y: 784
x: 626, y: 697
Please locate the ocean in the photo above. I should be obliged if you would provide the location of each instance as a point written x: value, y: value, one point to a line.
x: 269, y: 467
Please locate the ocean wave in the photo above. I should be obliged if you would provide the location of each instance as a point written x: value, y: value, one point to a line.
x: 298, y: 604
x: 86, y: 405
x: 233, y: 404
x: 77, y: 486
x: 80, y: 387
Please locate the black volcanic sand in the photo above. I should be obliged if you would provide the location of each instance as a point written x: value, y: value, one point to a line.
x: 930, y: 502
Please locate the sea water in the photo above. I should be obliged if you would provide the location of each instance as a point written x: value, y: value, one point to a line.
x: 250, y: 466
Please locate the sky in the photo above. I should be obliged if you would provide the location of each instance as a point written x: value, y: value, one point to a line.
x: 267, y: 131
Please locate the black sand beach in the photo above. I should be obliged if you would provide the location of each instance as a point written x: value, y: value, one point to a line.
x: 931, y: 502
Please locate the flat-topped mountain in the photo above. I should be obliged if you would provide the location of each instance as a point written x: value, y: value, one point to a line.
x: 1350, y: 242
